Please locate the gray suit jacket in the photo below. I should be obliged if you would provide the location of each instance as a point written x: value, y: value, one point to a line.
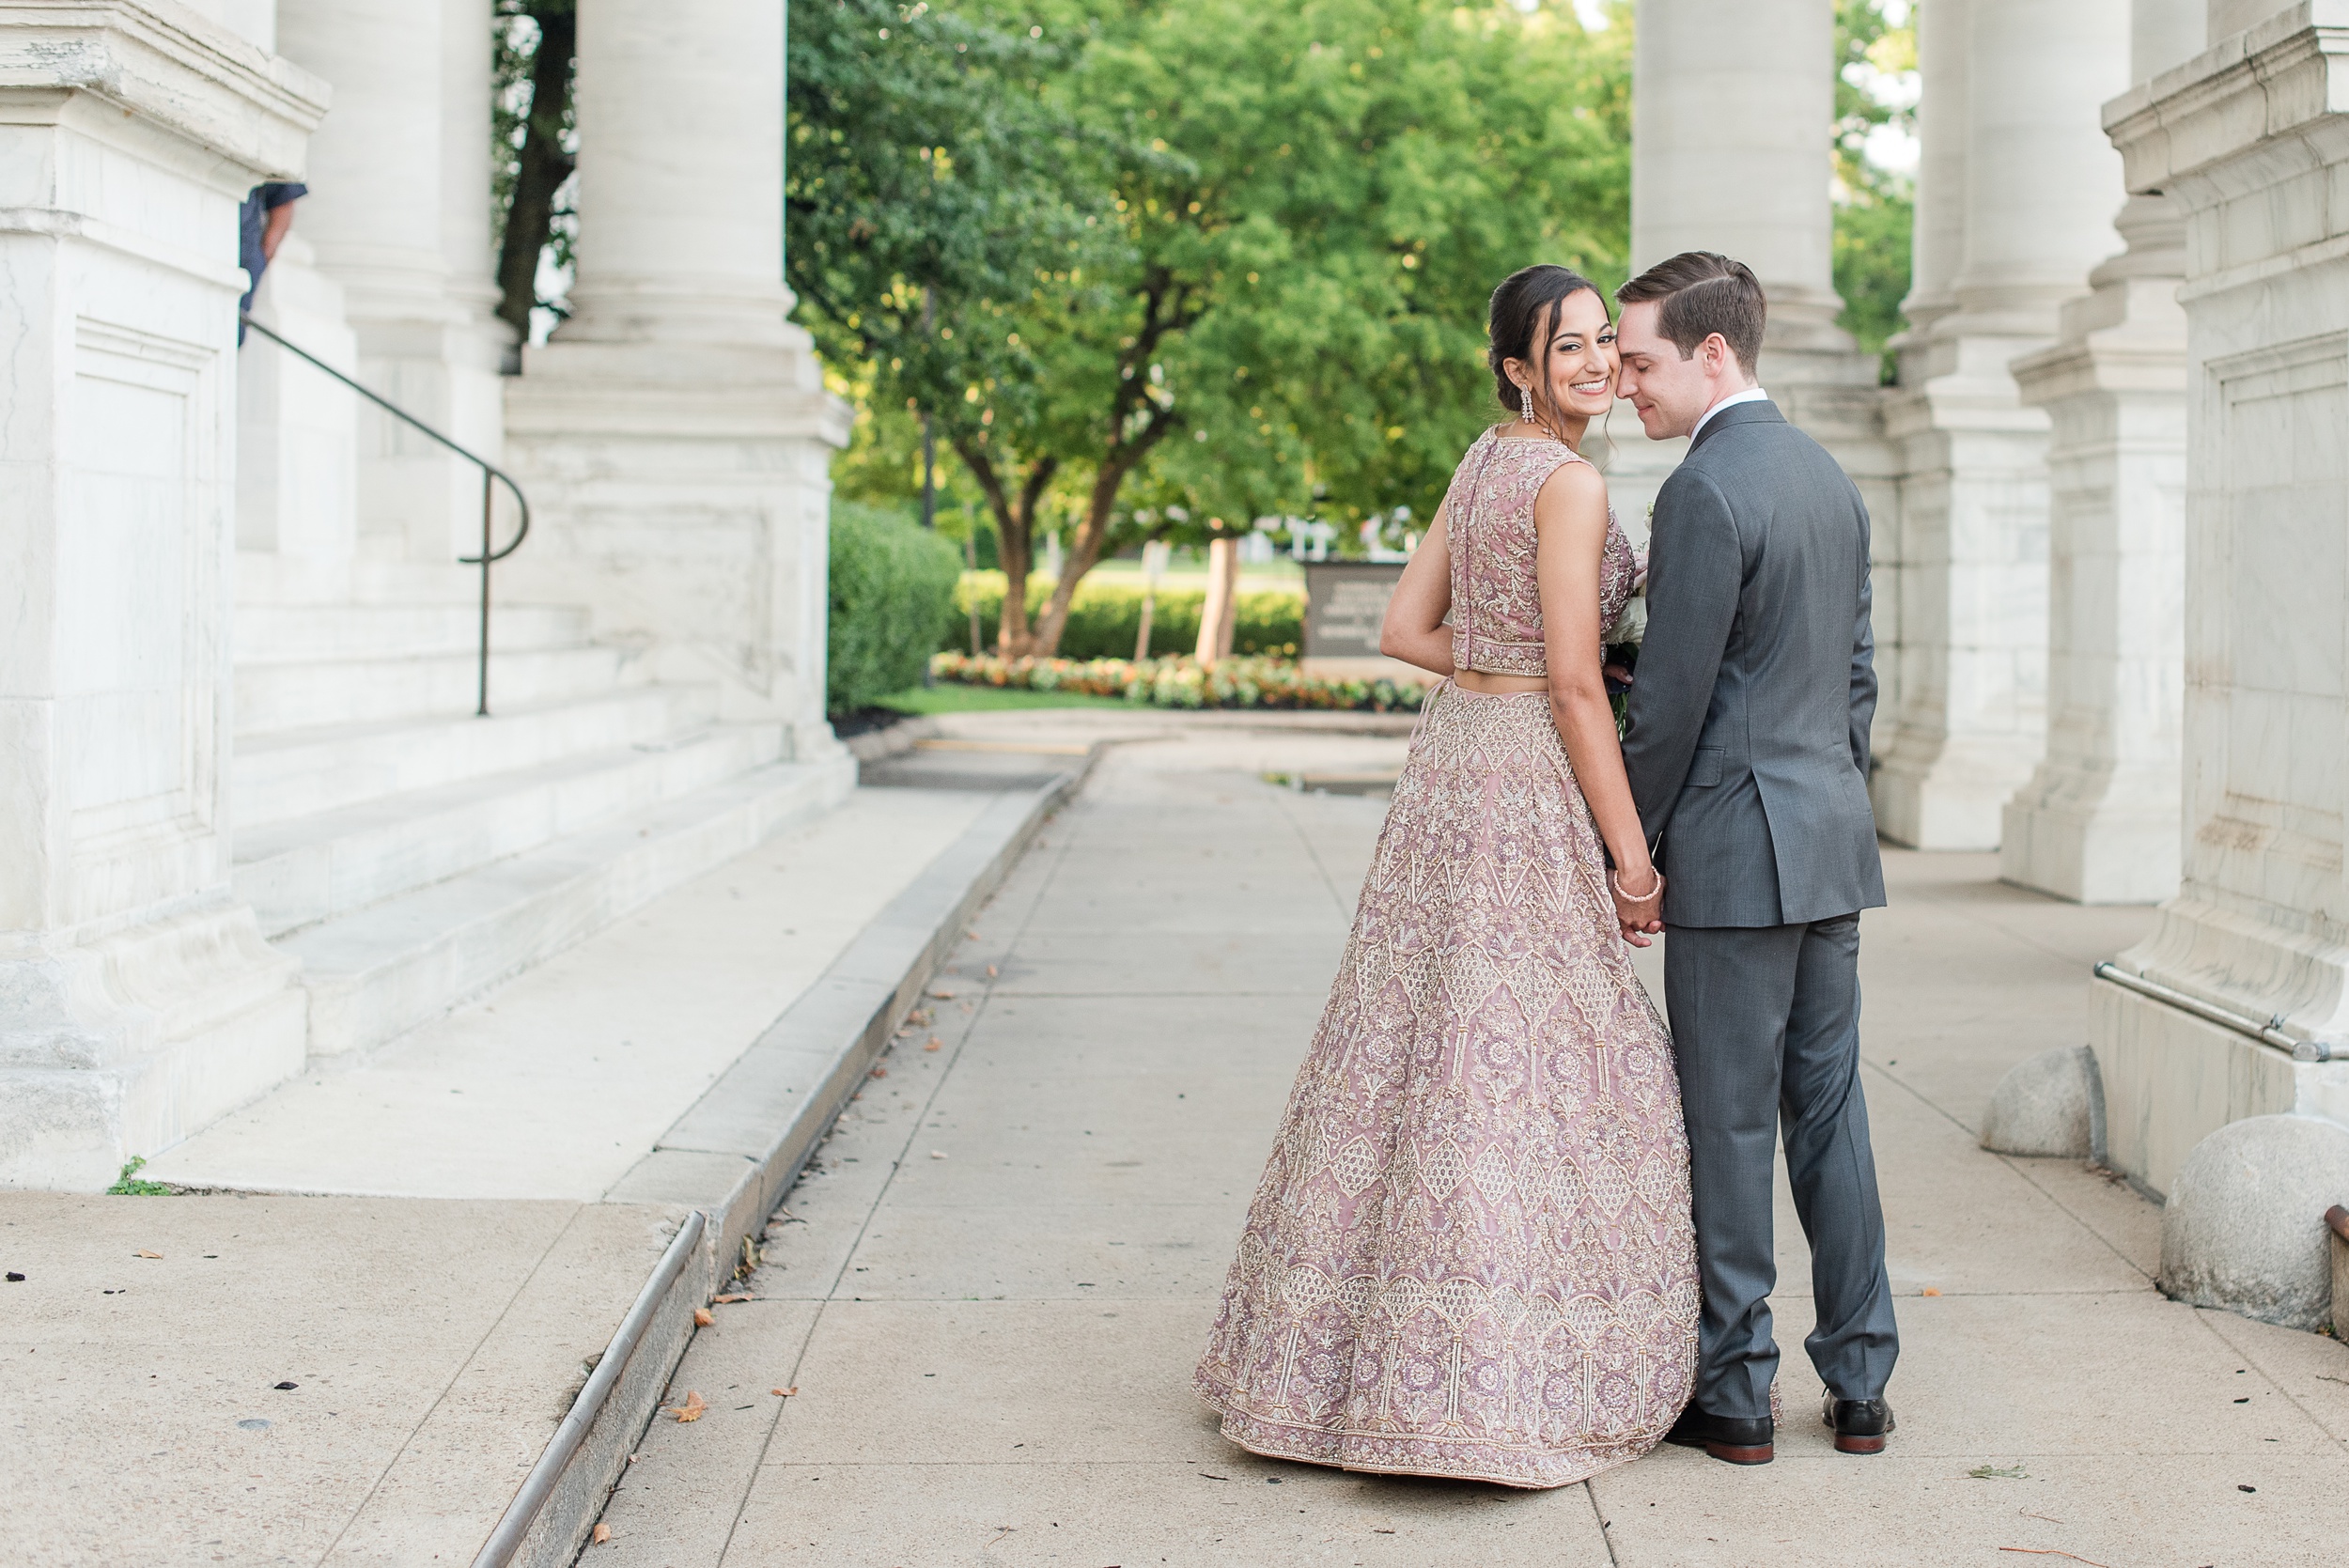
x: 1748, y: 740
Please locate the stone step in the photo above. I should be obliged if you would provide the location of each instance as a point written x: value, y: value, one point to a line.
x: 264, y: 577
x: 376, y: 972
x: 302, y: 772
x: 275, y: 633
x: 311, y: 868
x: 298, y: 693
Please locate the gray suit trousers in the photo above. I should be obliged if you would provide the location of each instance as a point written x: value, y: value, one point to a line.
x: 1766, y: 1019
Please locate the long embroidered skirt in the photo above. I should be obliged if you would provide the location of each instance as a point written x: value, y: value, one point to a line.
x: 1470, y: 1253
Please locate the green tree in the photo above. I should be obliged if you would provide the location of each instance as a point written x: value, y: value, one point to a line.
x: 534, y: 140
x: 932, y: 180
x: 1312, y: 203
x: 1875, y: 209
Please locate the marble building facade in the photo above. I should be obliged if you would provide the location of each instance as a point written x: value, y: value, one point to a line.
x: 245, y: 822
x: 246, y: 819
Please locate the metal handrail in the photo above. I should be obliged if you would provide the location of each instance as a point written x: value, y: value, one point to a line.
x: 2268, y: 1033
x: 513, y: 1527
x: 490, y: 474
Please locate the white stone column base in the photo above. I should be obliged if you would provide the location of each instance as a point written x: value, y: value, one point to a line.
x: 2093, y: 837
x: 682, y: 492
x: 1969, y: 669
x: 124, y: 1043
x: 2172, y: 1078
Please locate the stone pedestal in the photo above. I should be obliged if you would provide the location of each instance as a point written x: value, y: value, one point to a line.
x: 2098, y: 821
x: 398, y: 214
x: 1732, y: 101
x: 674, y: 433
x: 137, y: 999
x: 2250, y: 138
x: 2011, y: 139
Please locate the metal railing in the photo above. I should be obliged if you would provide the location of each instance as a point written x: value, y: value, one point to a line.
x: 490, y: 475
x: 513, y: 1529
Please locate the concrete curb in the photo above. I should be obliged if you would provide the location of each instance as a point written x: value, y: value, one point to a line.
x: 736, y: 1152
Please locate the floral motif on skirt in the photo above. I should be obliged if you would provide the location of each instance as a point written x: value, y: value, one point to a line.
x: 1470, y: 1254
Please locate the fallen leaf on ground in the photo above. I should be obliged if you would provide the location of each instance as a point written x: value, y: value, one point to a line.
x: 603, y: 1533
x: 147, y: 1255
x: 692, y: 1407
x: 785, y: 1394
x: 881, y: 1072
x: 934, y: 1043
x: 730, y: 1298
x: 1991, y: 1472
x: 943, y: 996
x: 702, y: 1318
x: 1928, y: 1291
x: 938, y: 1153
x: 991, y: 972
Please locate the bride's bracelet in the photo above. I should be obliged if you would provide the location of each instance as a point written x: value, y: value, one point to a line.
x: 1655, y: 890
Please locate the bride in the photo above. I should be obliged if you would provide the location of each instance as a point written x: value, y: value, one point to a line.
x: 1470, y: 1253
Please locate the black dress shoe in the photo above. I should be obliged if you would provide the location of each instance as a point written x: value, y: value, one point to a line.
x: 1688, y: 1431
x: 1860, y: 1425
x: 1732, y: 1438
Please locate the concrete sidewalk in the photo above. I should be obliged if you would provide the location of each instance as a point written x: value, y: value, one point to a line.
x: 989, y: 1292
x: 366, y: 1378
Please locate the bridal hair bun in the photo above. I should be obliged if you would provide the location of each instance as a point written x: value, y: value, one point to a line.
x: 1525, y: 299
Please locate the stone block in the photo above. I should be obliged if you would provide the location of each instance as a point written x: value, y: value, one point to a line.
x: 2244, y: 1229
x: 2049, y: 1105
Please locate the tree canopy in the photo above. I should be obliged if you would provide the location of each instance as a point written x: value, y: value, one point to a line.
x: 1154, y: 268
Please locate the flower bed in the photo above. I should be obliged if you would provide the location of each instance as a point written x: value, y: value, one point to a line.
x: 1182, y: 682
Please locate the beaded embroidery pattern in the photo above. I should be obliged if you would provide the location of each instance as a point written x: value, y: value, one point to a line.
x: 1470, y: 1253
x: 1489, y: 513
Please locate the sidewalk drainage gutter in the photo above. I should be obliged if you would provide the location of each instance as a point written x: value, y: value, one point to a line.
x: 2266, y: 1034
x: 523, y: 1513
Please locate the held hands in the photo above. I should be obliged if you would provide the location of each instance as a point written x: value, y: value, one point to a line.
x: 1642, y: 917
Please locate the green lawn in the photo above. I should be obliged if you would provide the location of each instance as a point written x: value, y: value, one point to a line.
x: 954, y: 697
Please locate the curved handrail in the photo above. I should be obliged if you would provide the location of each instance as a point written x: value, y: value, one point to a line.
x: 398, y: 412
x: 490, y: 471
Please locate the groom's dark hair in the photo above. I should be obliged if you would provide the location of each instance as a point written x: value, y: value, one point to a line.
x: 1704, y: 293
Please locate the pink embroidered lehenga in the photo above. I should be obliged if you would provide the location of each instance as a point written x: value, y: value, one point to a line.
x: 1470, y: 1253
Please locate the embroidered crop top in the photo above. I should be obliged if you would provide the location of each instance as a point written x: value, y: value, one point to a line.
x: 1489, y: 513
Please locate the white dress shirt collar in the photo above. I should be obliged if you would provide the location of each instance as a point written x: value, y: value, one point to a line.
x: 1751, y: 395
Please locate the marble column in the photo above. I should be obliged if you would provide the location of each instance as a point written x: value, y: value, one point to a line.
x: 2035, y: 188
x: 674, y: 432
x: 2098, y: 821
x: 398, y: 217
x: 2250, y: 140
x: 137, y: 999
x: 1732, y: 106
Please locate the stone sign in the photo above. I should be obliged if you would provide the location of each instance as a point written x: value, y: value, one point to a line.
x: 1344, y: 603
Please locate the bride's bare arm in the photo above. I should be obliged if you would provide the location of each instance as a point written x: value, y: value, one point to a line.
x: 1570, y: 524
x: 1413, y: 631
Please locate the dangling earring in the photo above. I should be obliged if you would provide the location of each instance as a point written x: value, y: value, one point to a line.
x: 1525, y: 395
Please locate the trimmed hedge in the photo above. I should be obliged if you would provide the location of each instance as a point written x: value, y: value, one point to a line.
x: 1107, y: 615
x: 1182, y: 682
x: 892, y: 592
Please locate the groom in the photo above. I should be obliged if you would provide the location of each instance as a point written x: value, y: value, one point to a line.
x: 1747, y: 753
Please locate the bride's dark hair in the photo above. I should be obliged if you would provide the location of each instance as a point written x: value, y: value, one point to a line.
x: 1523, y: 303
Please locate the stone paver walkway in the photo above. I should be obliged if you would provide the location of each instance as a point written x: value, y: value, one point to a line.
x: 989, y: 1292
